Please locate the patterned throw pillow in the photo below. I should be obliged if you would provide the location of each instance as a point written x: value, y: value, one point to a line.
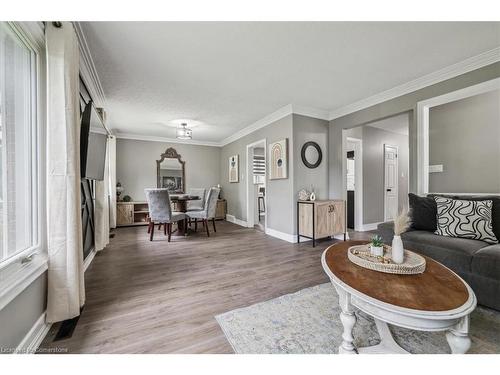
x: 465, y: 219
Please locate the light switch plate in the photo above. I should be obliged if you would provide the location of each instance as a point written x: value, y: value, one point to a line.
x: 435, y: 168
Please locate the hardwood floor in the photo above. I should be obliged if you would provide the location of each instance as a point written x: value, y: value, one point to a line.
x: 160, y: 297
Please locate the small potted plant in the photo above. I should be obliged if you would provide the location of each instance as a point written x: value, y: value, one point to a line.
x: 377, y: 246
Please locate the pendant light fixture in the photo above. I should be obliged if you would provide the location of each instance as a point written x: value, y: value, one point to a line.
x: 183, y: 132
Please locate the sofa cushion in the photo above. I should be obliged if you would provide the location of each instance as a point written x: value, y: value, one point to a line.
x: 465, y: 219
x: 486, y: 262
x: 495, y: 210
x: 455, y: 253
x: 423, y: 212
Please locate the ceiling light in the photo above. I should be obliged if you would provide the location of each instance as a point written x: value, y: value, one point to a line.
x: 183, y: 132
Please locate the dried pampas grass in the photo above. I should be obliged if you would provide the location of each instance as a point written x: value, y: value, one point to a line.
x: 401, y: 222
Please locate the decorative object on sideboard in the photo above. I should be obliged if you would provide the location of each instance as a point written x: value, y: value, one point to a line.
x: 220, y: 190
x: 401, y: 225
x: 311, y: 154
x: 119, y: 191
x: 304, y: 195
x: 312, y: 197
x: 278, y: 156
x: 127, y: 198
x: 377, y: 246
x: 234, y: 171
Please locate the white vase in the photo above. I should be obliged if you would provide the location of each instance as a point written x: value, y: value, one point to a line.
x: 398, y: 252
x: 312, y: 196
x: 377, y: 251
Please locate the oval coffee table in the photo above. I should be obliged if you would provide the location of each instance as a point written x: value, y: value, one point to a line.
x: 436, y: 300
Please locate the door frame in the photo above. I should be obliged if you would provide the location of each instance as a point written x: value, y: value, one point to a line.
x: 397, y: 180
x: 249, y: 184
x: 358, y: 181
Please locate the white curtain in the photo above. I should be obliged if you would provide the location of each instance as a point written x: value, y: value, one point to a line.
x: 112, y: 180
x: 101, y: 210
x: 66, y: 291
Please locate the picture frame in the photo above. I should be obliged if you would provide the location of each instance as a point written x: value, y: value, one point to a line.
x: 278, y: 160
x: 234, y: 170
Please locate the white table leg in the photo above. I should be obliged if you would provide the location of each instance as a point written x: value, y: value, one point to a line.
x: 458, y: 337
x: 387, y: 343
x: 348, y: 320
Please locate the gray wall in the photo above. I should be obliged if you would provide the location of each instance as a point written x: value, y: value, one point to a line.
x: 307, y: 129
x: 17, y: 318
x: 464, y: 136
x: 136, y: 165
x: 279, y: 192
x: 390, y: 108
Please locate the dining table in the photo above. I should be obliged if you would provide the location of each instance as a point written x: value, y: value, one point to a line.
x: 180, y: 201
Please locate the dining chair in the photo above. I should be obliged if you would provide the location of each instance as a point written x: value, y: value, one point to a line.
x: 160, y: 211
x: 208, y: 211
x: 196, y: 205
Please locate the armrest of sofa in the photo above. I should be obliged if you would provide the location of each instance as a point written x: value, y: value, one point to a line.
x: 386, y: 231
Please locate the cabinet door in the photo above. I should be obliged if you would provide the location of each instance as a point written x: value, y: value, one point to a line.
x: 124, y: 214
x: 323, y: 226
x: 306, y: 219
x: 220, y: 209
x: 338, y: 217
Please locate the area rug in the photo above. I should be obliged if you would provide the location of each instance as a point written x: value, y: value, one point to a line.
x: 308, y: 322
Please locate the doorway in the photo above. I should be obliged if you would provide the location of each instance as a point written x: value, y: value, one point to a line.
x: 256, y: 186
x: 354, y: 182
x: 391, y: 185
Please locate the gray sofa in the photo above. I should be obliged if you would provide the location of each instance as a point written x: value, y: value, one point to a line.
x: 477, y: 262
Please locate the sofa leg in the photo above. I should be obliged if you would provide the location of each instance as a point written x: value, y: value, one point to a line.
x: 152, y: 231
x: 213, y: 222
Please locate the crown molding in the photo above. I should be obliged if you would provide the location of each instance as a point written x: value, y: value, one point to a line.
x: 152, y: 138
x: 311, y: 112
x: 465, y: 66
x: 88, y: 71
x: 34, y: 31
x: 259, y: 124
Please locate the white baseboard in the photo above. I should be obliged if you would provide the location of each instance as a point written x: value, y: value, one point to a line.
x: 233, y: 219
x: 370, y: 226
x: 34, y: 337
x: 281, y: 235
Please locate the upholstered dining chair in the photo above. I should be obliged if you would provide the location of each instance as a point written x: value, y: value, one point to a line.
x: 208, y: 211
x: 198, y: 204
x: 160, y: 211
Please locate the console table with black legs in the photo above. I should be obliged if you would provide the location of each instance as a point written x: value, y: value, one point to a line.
x: 320, y: 219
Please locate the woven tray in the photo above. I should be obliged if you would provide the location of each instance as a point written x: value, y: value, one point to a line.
x: 360, y: 255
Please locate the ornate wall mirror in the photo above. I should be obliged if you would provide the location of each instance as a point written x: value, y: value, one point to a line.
x: 170, y: 172
x: 311, y: 154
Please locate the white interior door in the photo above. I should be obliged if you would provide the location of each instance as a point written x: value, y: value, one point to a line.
x: 390, y: 182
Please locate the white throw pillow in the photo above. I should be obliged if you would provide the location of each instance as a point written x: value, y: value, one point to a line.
x: 465, y: 219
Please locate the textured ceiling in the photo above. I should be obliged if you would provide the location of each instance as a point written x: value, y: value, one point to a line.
x: 225, y: 76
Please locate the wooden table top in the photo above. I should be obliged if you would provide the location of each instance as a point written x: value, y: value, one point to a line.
x: 437, y: 289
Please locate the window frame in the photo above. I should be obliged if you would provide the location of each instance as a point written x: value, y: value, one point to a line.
x: 19, y: 270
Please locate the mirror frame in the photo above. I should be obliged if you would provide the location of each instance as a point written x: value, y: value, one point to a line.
x: 171, y: 153
x: 303, y: 154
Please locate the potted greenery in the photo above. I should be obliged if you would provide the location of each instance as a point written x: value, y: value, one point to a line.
x: 377, y: 246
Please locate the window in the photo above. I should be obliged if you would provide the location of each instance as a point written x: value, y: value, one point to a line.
x: 18, y: 147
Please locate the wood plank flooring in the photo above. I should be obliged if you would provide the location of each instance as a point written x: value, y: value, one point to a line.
x: 160, y: 297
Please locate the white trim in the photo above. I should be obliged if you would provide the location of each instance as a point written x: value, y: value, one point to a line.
x: 234, y: 220
x: 88, y: 70
x: 423, y: 125
x: 470, y: 64
x: 358, y: 180
x: 311, y: 112
x: 249, y: 184
x: 18, y: 281
x: 89, y: 259
x: 263, y: 122
x: 397, y: 180
x: 152, y: 138
x: 34, y: 337
x: 369, y: 226
x: 281, y: 235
